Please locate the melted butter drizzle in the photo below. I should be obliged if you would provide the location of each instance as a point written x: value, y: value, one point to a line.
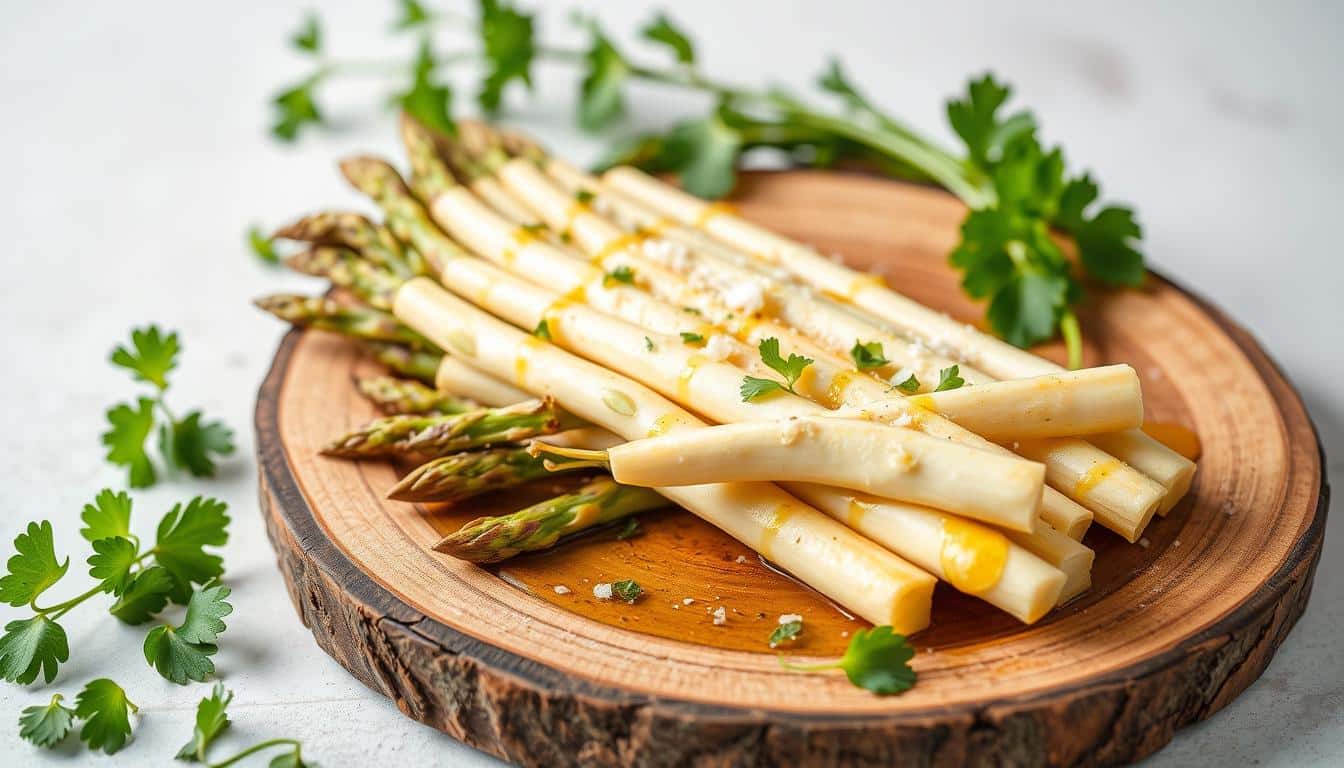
x: 693, y: 363
x: 1093, y: 477
x: 972, y: 555
x: 778, y: 518
x: 835, y: 394
x: 711, y: 210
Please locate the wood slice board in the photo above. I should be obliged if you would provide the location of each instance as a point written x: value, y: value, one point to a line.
x: 1169, y: 634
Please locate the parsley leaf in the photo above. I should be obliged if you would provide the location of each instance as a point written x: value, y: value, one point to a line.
x: 585, y: 196
x: 211, y: 720
x: 542, y: 331
x: 413, y: 14
x: 296, y: 107
x: 662, y: 30
x: 601, y: 94
x: 791, y: 369
x: 181, y: 539
x: 753, y: 388
x: 193, y: 444
x: 106, y: 713
x: 909, y: 385
x: 975, y: 119
x: 108, y: 515
x: 691, y: 338
x: 111, y: 563
x: 704, y: 153
x: 46, y: 726
x: 426, y: 101
x: 262, y: 246
x: 153, y: 357
x: 30, y: 645
x: 507, y: 36
x: 308, y: 38
x: 786, y: 632
x: 648, y: 344
x: 628, y: 590
x: 34, y: 569
x: 145, y: 595
x: 877, y: 659
x: 868, y: 356
x: 621, y: 274
x: 125, y: 440
x: 183, y: 653
x: 949, y: 378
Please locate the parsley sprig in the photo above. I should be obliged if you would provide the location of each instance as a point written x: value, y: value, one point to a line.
x: 1022, y: 198
x: 178, y: 568
x: 877, y: 659
x: 102, y: 705
x: 791, y: 369
x: 212, y: 719
x: 188, y: 443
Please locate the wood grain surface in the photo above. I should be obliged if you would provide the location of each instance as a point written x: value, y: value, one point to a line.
x: 1172, y: 630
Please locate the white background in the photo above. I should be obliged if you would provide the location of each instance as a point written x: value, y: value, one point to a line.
x: 133, y: 155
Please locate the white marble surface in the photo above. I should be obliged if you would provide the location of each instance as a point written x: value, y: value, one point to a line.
x: 135, y: 156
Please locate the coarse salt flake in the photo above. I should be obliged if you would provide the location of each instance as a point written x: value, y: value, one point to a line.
x: 602, y: 591
x: 788, y: 617
x: 561, y: 589
x: 720, y: 616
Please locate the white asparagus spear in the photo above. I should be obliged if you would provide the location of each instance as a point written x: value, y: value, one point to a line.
x: 992, y: 355
x: 1083, y: 402
x: 462, y: 380
x: 632, y: 410
x: 1024, y: 588
x: 974, y: 558
x: 1107, y: 479
x: 824, y: 554
x: 675, y: 369
x: 1116, y: 505
x: 897, y: 464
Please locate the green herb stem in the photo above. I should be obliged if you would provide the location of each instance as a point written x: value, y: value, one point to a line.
x: 255, y: 748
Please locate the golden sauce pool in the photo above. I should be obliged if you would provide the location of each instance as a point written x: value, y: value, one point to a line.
x: 677, y: 557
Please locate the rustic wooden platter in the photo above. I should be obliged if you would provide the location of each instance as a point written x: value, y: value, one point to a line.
x: 1172, y: 630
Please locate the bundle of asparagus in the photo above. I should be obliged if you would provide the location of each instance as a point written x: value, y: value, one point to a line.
x: 585, y: 320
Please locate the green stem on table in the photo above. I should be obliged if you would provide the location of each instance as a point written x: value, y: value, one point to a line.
x: 255, y: 748
x: 1073, y: 338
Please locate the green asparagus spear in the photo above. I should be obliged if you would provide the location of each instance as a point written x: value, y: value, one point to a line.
x: 328, y: 315
x: 493, y: 147
x: 432, y: 436
x: 352, y: 230
x: 430, y: 175
x: 396, y: 396
x: 491, y: 539
x: 345, y: 269
x: 406, y: 217
x: 470, y: 473
x: 421, y: 365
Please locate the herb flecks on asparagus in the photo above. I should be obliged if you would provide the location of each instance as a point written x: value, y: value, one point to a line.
x: 403, y: 396
x: 356, y: 232
x: 492, y: 539
x: 470, y: 473
x: 438, y: 435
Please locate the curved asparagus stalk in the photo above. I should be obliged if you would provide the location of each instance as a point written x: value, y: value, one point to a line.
x: 328, y: 315
x: 346, y: 269
x: 986, y: 352
x: 492, y: 539
x: 404, y: 396
x: 860, y: 575
x: 417, y: 364
x: 897, y: 464
x: 431, y: 436
x: 352, y: 230
x: 406, y: 217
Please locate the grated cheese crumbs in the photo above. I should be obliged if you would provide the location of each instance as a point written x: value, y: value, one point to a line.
x: 788, y: 617
x: 745, y: 296
x: 687, y: 600
x: 741, y: 558
x: 561, y: 589
x: 602, y: 591
x: 718, y: 348
x: 1144, y: 542
x: 720, y: 616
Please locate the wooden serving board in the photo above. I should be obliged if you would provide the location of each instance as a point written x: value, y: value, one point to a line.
x: 1172, y: 630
